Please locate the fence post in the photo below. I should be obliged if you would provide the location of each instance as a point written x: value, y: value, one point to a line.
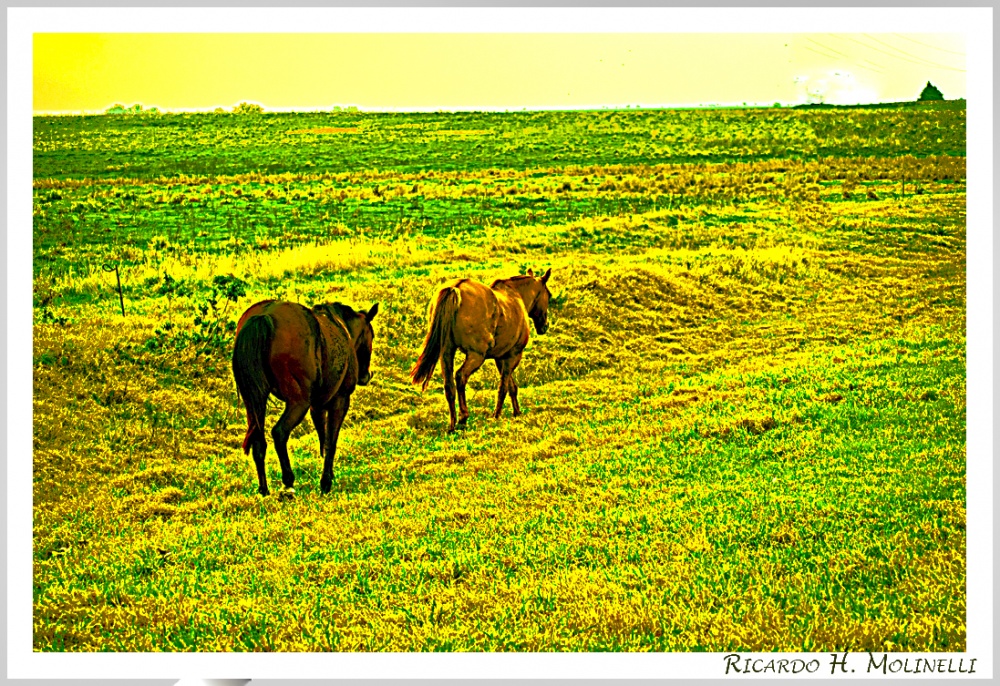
x: 114, y: 267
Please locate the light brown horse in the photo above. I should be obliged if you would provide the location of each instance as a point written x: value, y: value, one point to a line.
x: 484, y: 323
x: 312, y: 359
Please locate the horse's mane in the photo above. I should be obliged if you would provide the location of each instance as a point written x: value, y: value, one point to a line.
x: 345, y: 312
x: 521, y: 277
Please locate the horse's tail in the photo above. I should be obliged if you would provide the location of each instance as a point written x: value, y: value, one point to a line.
x: 442, y: 317
x: 250, y: 353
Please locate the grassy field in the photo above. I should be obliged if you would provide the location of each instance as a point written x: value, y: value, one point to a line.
x: 744, y: 430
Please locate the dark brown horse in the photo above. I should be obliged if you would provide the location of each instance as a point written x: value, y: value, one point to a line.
x: 312, y: 359
x: 484, y: 323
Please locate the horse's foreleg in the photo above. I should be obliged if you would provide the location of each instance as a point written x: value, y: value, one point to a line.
x: 448, y: 372
x: 319, y: 421
x: 290, y: 418
x: 508, y: 385
x: 512, y: 385
x: 512, y: 389
x: 473, y: 361
x: 338, y: 410
x: 502, y: 393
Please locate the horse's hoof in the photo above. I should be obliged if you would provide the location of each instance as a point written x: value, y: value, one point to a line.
x: 286, y: 493
x: 264, y: 491
x: 325, y: 484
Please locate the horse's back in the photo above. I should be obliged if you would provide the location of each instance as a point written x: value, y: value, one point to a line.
x: 490, y: 321
x: 340, y: 363
x: 477, y: 299
x: 512, y: 332
x: 476, y: 317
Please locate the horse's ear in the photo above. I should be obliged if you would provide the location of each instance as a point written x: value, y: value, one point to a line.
x: 530, y: 272
x: 372, y: 312
x: 546, y: 275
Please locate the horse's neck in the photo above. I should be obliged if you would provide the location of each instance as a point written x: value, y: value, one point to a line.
x: 525, y: 290
x: 352, y: 331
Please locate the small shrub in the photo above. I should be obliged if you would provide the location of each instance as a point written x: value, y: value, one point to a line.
x: 213, y: 329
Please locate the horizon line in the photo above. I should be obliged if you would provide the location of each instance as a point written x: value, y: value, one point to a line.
x: 358, y: 109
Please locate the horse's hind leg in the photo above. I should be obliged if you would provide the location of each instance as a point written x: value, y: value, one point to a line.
x: 473, y: 361
x: 256, y: 442
x: 258, y: 446
x: 290, y: 418
x: 319, y: 421
x: 448, y: 372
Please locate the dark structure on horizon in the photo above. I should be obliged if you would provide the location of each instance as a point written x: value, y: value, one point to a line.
x: 930, y: 92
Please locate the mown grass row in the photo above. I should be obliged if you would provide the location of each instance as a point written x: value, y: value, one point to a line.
x: 259, y: 212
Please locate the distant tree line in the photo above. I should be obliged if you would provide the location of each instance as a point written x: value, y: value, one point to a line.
x: 929, y: 93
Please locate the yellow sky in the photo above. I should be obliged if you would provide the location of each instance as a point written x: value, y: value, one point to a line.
x: 92, y: 71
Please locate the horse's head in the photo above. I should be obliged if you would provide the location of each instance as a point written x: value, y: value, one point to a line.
x: 539, y: 311
x: 363, y: 343
x: 359, y: 326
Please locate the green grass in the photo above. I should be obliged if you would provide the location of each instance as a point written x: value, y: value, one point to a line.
x: 211, y: 145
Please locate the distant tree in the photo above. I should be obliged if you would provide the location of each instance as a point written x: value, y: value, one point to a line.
x: 248, y: 108
x: 118, y: 108
x: 930, y: 92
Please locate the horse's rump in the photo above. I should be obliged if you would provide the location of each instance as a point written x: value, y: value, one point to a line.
x: 442, y: 318
x: 250, y: 363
